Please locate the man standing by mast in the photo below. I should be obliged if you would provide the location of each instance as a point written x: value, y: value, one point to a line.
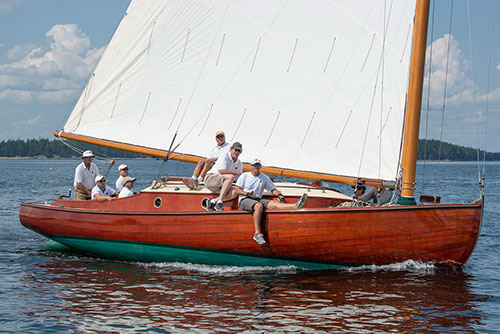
x: 85, y: 174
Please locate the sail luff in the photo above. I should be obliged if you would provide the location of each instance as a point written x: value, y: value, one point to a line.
x: 412, y: 122
x: 194, y: 159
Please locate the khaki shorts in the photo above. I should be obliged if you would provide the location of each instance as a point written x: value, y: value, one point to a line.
x: 213, y: 182
x: 80, y: 195
x: 247, y: 203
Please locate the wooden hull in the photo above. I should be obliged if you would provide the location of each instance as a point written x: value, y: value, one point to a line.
x: 315, y: 237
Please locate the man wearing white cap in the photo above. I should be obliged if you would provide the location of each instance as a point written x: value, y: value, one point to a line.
x: 85, y: 174
x: 101, y: 192
x: 250, y: 187
x: 123, y: 170
x: 128, y: 184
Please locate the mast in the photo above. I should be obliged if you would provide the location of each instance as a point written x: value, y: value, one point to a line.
x: 412, y: 121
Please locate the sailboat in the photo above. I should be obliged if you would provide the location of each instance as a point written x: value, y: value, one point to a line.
x: 321, y: 90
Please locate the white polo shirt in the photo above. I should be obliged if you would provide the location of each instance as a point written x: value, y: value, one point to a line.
x: 107, y: 192
x: 218, y: 150
x: 86, y: 176
x: 125, y: 192
x: 119, y: 184
x: 226, y: 162
x: 248, y: 182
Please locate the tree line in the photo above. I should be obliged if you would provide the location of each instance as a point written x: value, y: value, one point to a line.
x: 429, y: 149
x: 45, y: 148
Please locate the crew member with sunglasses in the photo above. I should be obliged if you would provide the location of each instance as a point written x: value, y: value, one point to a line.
x: 123, y: 170
x: 101, y: 192
x: 250, y: 187
x: 220, y: 178
x: 203, y: 166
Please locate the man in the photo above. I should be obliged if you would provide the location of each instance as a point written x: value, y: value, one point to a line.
x: 203, y: 166
x: 250, y: 187
x: 378, y: 196
x: 220, y: 178
x: 101, y: 192
x: 85, y: 174
x: 358, y: 191
x: 123, y: 170
x: 127, y: 185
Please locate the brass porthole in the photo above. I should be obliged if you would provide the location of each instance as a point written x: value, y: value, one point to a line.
x: 157, y: 202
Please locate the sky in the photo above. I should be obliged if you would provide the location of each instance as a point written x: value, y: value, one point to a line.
x: 49, y: 48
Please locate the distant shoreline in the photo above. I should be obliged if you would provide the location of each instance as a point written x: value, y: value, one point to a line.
x: 78, y: 158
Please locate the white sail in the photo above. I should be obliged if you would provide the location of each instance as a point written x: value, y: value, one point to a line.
x: 316, y: 86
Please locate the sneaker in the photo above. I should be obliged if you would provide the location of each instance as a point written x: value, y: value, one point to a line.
x: 218, y: 206
x: 189, y: 182
x: 204, y: 202
x: 259, y: 238
x: 302, y: 201
x: 210, y: 206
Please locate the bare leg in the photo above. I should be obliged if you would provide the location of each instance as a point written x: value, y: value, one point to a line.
x: 208, y: 165
x: 257, y: 215
x: 199, y: 168
x: 275, y: 205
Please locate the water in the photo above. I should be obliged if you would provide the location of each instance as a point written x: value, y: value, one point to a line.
x: 46, y: 288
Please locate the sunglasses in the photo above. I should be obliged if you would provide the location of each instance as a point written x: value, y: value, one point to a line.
x: 102, y: 180
x: 125, y: 169
x: 237, y: 150
x: 219, y: 136
x: 257, y: 165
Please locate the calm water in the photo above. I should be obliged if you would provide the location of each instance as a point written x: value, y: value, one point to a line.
x: 45, y: 288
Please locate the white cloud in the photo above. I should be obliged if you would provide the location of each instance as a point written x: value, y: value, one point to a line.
x: 6, y: 5
x: 20, y: 96
x: 53, y: 72
x: 33, y: 120
x: 448, y: 69
x: 498, y: 66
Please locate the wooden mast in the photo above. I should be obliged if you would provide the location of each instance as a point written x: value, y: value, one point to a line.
x: 412, y: 121
x: 194, y: 159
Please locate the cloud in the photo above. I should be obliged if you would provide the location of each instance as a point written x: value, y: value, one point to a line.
x: 33, y: 120
x: 52, y: 72
x: 449, y: 69
x: 20, y: 96
x: 6, y: 5
x: 452, y: 71
x: 498, y: 66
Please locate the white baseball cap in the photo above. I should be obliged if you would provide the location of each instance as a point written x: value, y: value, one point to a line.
x: 122, y: 166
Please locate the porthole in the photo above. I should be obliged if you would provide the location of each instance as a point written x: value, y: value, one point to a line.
x: 157, y: 202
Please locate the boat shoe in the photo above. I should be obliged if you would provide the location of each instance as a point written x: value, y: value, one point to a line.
x: 302, y: 201
x: 190, y: 183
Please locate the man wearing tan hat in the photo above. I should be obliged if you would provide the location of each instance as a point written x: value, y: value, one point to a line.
x: 128, y: 184
x: 123, y: 170
x: 203, y: 166
x: 85, y: 174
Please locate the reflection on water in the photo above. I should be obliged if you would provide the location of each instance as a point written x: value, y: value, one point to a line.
x: 85, y: 295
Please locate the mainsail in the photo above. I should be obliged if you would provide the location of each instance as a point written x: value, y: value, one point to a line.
x: 316, y: 86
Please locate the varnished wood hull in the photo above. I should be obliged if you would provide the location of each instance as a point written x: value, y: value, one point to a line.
x: 133, y: 229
